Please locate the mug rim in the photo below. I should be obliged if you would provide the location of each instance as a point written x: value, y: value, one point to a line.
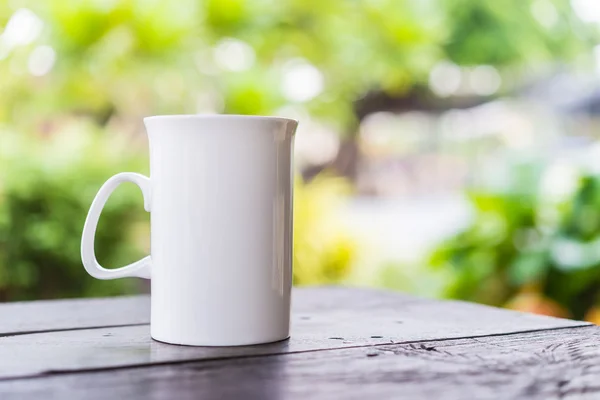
x: 218, y: 116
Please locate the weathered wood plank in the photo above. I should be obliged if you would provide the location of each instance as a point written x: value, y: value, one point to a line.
x: 558, y: 364
x: 344, y: 303
x: 52, y: 315
x: 322, y: 319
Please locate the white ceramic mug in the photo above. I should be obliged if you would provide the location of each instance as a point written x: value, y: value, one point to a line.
x: 220, y: 198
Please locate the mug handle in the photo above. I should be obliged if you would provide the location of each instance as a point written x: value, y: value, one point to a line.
x: 140, y: 268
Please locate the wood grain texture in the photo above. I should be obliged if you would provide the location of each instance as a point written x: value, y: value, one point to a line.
x: 556, y: 364
x: 322, y: 319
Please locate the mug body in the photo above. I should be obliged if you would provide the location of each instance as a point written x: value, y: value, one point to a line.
x: 221, y: 228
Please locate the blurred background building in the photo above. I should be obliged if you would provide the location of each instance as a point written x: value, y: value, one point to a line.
x: 446, y: 147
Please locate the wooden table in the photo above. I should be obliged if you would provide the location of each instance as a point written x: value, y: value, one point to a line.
x: 345, y: 344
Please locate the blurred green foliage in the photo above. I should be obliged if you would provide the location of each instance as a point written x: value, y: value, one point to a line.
x: 129, y: 58
x: 43, y: 203
x: 527, y: 248
x: 78, y: 76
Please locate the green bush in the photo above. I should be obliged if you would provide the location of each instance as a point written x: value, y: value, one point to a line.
x: 46, y: 187
x: 529, y: 249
